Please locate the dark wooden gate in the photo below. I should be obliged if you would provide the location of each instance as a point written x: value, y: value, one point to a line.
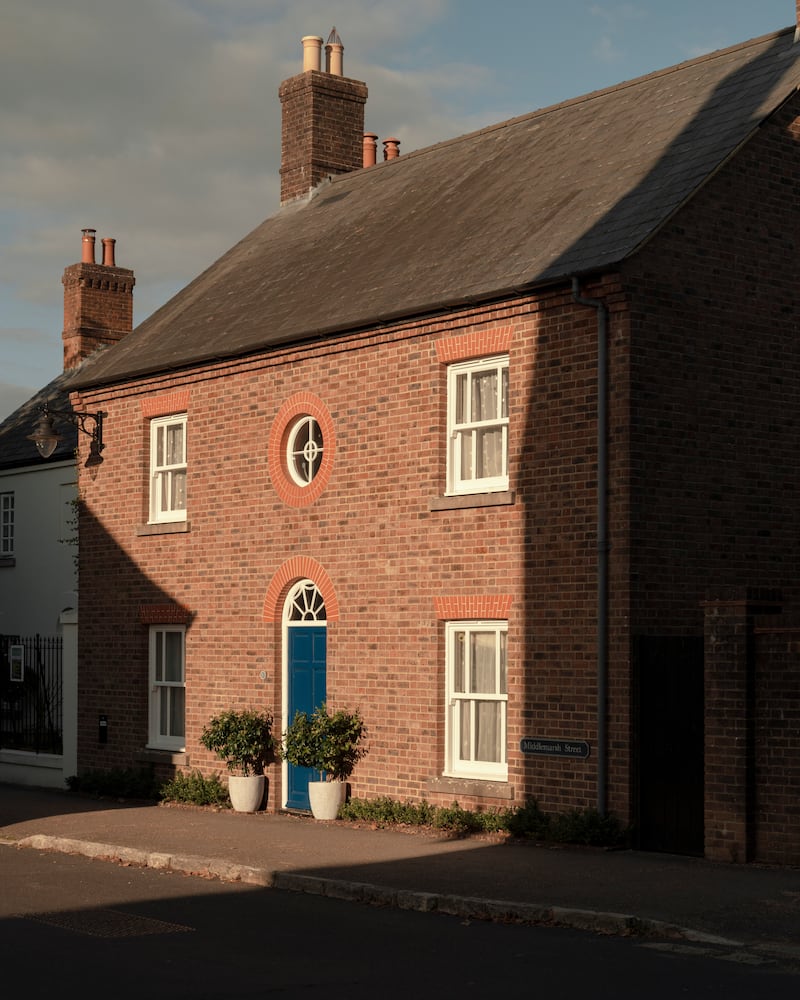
x: 669, y: 686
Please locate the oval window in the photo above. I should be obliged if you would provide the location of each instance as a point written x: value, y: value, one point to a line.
x: 304, y: 450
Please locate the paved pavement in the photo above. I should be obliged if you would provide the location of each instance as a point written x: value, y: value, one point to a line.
x: 750, y: 910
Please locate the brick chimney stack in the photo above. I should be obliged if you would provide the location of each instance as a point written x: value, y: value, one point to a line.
x: 98, y: 302
x: 322, y: 128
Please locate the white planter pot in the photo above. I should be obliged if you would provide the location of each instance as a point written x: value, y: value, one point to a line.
x: 246, y: 794
x: 325, y: 798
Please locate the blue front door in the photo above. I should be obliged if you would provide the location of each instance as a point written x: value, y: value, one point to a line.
x: 306, y: 682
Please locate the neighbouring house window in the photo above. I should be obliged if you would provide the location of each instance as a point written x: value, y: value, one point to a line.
x: 477, y: 426
x: 477, y: 700
x: 167, y: 687
x: 304, y: 450
x: 6, y: 524
x: 168, y: 469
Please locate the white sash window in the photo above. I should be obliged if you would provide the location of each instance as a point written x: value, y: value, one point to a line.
x: 477, y: 407
x: 167, y: 687
x: 168, y: 469
x: 477, y: 699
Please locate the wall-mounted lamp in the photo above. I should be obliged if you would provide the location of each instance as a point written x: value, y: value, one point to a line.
x: 46, y: 437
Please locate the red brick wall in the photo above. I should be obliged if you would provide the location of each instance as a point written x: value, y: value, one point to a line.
x: 715, y: 389
x: 776, y: 743
x: 386, y: 558
x: 752, y: 656
x: 728, y: 733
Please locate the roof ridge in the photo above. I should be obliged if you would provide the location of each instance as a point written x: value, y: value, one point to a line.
x: 534, y: 204
x: 575, y: 101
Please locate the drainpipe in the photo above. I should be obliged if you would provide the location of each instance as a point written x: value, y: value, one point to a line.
x: 602, y: 541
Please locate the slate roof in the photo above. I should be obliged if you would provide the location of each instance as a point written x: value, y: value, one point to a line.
x: 566, y: 190
x: 15, y: 448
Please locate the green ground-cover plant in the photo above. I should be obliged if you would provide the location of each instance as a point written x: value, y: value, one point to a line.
x: 528, y: 821
x: 385, y: 811
x: 195, y: 789
x: 586, y: 826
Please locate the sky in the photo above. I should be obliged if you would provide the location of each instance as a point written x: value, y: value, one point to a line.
x: 157, y: 122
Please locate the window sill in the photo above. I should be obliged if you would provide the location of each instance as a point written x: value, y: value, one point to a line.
x: 504, y: 499
x: 471, y: 786
x: 167, y: 528
x: 151, y: 755
x: 6, y: 562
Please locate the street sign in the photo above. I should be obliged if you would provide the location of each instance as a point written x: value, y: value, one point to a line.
x: 545, y: 747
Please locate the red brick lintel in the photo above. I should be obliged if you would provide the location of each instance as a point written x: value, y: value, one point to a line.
x: 163, y: 406
x: 490, y: 607
x: 164, y: 614
x: 478, y: 344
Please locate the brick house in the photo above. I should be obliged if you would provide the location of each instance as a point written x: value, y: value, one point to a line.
x: 496, y: 440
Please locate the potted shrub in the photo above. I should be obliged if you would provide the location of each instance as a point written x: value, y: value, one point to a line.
x: 330, y: 744
x: 243, y: 738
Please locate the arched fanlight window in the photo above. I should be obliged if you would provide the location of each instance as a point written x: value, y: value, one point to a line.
x: 305, y: 604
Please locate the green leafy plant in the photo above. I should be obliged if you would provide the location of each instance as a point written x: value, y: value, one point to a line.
x: 72, y: 522
x: 328, y: 743
x: 529, y: 821
x: 195, y: 789
x: 457, y: 820
x: 586, y: 826
x: 384, y: 811
x: 243, y: 738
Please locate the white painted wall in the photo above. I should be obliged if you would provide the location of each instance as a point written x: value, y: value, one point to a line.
x: 35, y: 594
x: 43, y: 580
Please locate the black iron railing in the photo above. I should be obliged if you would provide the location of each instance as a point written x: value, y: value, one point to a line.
x: 31, y: 693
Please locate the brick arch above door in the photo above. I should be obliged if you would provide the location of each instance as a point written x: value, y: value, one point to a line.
x: 294, y: 569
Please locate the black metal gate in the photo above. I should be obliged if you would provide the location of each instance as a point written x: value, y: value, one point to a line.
x: 31, y: 693
x: 670, y: 710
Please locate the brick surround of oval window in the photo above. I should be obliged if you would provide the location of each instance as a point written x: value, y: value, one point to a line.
x: 299, y: 405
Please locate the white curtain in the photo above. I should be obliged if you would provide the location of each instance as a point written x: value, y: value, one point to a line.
x: 487, y: 404
x: 485, y: 716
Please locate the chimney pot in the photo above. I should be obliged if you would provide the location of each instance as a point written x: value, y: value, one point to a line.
x: 108, y: 252
x: 370, y: 148
x: 333, y: 53
x: 312, y: 52
x: 391, y: 148
x: 87, y: 246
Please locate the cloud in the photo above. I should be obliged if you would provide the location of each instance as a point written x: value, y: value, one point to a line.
x: 158, y: 123
x: 13, y: 396
x: 610, y: 46
x: 605, y: 50
x: 618, y: 14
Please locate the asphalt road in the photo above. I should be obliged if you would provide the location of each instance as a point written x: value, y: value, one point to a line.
x: 76, y: 926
